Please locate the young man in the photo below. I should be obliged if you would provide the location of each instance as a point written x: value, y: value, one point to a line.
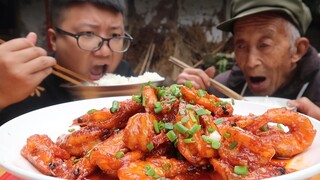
x: 272, y: 56
x: 89, y: 38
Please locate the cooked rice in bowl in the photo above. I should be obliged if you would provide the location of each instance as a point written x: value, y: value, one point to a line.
x: 114, y: 85
x: 115, y: 79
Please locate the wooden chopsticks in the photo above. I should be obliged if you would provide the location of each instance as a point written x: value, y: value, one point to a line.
x: 70, y: 76
x: 215, y: 84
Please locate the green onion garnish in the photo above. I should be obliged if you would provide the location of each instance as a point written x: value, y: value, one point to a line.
x: 227, y: 135
x: 201, y: 112
x: 210, y: 130
x: 156, y: 126
x: 241, y: 170
x: 136, y: 98
x: 184, y: 120
x: 115, y: 106
x: 233, y: 145
x: 193, y: 130
x: 168, y: 126
x: 91, y: 111
x: 202, y: 93
x: 171, y: 135
x: 189, y: 140
x: 193, y: 118
x: 264, y: 128
x: 119, y: 154
x: 218, y: 121
x: 150, y: 146
x: 215, y: 144
x: 181, y: 128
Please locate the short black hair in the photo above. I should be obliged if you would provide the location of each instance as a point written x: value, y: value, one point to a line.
x: 59, y: 6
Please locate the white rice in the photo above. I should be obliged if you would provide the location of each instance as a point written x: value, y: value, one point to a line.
x: 114, y: 79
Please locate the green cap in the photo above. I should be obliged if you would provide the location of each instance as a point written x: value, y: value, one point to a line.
x: 296, y: 10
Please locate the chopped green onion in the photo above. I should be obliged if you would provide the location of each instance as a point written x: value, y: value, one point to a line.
x: 189, y: 140
x: 157, y: 104
x: 202, y: 93
x: 184, y: 120
x: 115, y: 106
x: 136, y: 98
x: 202, y: 111
x: 241, y: 170
x: 215, y: 144
x: 161, y: 125
x: 144, y: 101
x: 89, y: 153
x: 232, y: 101
x: 150, y: 171
x: 77, y: 160
x: 161, y: 93
x: 193, y: 118
x: 206, y: 139
x: 189, y: 106
x: 181, y: 128
x: 188, y: 84
x: 218, y: 121
x: 173, y: 99
x: 158, y: 109
x: 71, y: 130
x: 193, y: 130
x: 168, y: 126
x: 280, y: 127
x: 191, y: 101
x: 91, y: 111
x: 227, y: 135
x: 150, y: 146
x: 210, y: 129
x: 156, y: 126
x: 264, y: 128
x: 171, y: 135
x: 119, y: 154
x: 233, y: 145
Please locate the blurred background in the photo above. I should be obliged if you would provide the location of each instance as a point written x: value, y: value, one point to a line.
x: 185, y: 29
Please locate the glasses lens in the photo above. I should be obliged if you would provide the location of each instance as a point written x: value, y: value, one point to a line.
x: 119, y: 44
x: 89, y: 42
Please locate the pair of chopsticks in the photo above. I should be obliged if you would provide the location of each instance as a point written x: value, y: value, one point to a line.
x: 70, y: 76
x: 215, y: 84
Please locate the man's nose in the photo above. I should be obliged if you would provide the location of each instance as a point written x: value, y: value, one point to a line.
x: 253, y: 58
x: 105, y: 50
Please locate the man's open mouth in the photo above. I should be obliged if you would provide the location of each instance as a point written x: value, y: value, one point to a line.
x: 98, y: 71
x: 257, y: 79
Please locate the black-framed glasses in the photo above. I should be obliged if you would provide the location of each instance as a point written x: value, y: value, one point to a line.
x: 91, y: 42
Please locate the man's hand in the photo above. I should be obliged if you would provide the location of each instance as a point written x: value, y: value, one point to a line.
x: 23, y: 66
x: 200, y: 79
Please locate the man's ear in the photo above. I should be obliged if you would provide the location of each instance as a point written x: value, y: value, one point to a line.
x: 52, y: 38
x: 301, y: 48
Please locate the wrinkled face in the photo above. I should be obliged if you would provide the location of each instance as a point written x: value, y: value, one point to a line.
x: 88, y: 18
x: 263, y: 52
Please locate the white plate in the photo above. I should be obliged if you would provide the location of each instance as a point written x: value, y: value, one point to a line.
x: 55, y: 120
x: 265, y: 101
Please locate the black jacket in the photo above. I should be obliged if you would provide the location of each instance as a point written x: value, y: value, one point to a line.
x: 53, y: 94
x: 308, y: 71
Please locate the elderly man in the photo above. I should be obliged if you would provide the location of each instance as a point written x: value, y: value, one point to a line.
x: 272, y: 56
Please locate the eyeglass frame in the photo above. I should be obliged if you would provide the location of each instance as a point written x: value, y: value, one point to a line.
x: 78, y: 35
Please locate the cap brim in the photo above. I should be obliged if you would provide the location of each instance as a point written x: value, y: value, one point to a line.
x: 228, y: 25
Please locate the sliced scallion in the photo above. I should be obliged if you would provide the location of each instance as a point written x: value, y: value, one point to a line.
x: 181, y: 128
x: 241, y: 170
x: 115, y: 106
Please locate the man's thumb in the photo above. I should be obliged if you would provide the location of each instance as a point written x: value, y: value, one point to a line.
x: 32, y: 37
